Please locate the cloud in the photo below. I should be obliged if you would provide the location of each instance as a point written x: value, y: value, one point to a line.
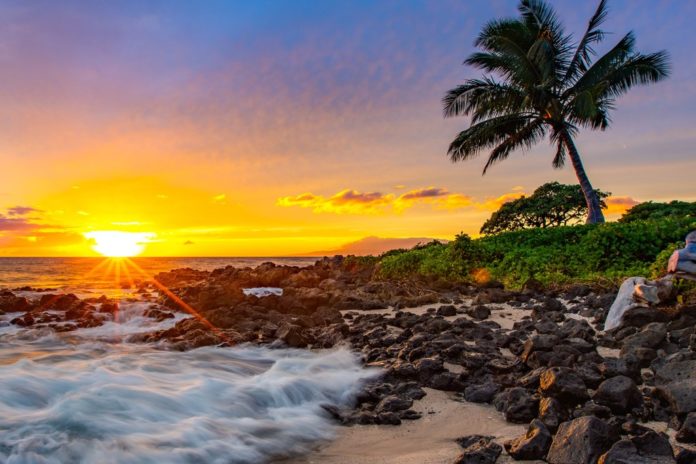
x: 619, y: 205
x: 21, y: 210
x: 354, y: 202
x: 494, y: 204
x: 344, y: 202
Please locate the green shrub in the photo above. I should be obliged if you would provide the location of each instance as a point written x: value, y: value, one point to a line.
x: 603, y: 253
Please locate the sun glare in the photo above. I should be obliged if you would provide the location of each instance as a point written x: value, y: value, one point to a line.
x: 118, y: 244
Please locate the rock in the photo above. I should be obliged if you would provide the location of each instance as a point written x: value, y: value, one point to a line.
x: 618, y: 393
x: 292, y: 335
x: 564, y: 384
x: 481, y: 393
x: 517, y: 405
x: 478, y: 450
x: 581, y: 441
x: 551, y: 412
x: 393, y: 403
x: 639, y: 316
x: 675, y: 370
x: 687, y: 432
x: 649, y: 448
x: 446, y: 311
x: 685, y: 456
x: 478, y: 312
x: 532, y: 445
x: 539, y: 343
x: 9, y: 303
x: 650, y: 337
x: 680, y: 395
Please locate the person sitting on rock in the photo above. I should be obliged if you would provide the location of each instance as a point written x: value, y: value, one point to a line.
x: 684, y: 260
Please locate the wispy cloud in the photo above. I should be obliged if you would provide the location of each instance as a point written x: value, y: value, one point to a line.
x: 354, y: 202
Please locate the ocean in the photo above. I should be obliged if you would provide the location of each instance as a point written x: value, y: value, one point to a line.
x: 91, y: 396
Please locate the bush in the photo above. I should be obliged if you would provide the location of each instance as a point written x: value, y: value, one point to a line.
x: 559, y: 255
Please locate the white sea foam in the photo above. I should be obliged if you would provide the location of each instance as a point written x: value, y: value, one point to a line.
x: 80, y: 398
x: 263, y: 291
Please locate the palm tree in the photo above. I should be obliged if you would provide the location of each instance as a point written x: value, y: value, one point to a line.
x: 545, y: 84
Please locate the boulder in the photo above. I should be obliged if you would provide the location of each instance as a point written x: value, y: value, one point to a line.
x: 478, y: 450
x: 393, y: 403
x: 517, y: 405
x: 564, y: 384
x: 532, y: 445
x: 478, y: 312
x: 680, y: 395
x: 481, y: 393
x: 293, y: 335
x: 581, y: 441
x: 619, y: 393
x: 649, y: 448
x: 687, y: 432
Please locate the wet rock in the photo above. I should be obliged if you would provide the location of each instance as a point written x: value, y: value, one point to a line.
x: 581, y: 441
x: 687, y: 432
x: 9, y: 303
x: 618, y: 393
x: 478, y: 450
x: 517, y: 405
x: 649, y: 448
x: 393, y: 403
x: 292, y: 335
x: 532, y: 445
x: 564, y: 384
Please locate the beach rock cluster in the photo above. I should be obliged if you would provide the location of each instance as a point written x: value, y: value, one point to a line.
x: 539, y: 357
x: 65, y: 312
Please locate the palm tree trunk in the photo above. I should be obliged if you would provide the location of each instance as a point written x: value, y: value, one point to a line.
x: 594, y: 210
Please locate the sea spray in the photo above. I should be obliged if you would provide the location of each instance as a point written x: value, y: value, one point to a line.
x: 83, y: 398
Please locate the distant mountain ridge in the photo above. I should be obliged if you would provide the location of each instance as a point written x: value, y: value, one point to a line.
x: 374, y: 246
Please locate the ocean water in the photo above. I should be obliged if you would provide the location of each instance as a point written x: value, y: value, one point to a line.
x: 90, y: 396
x: 94, y: 274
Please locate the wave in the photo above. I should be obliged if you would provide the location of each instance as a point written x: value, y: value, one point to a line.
x: 84, y: 399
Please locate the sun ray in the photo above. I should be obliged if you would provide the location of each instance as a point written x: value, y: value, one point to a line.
x: 188, y: 308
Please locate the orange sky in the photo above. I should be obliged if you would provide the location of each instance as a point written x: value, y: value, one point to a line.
x: 244, y: 130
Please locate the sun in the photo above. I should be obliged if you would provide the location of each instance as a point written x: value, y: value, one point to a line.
x: 118, y: 244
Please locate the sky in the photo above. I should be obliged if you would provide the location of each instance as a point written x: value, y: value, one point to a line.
x: 276, y: 128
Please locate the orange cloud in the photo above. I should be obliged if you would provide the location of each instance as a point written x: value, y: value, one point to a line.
x: 344, y: 202
x: 354, y: 202
x: 619, y: 205
x: 494, y: 204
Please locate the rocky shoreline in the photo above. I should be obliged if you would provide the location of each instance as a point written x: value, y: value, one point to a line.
x: 538, y: 356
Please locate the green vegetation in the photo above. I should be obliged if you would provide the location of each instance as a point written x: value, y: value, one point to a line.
x: 538, y: 81
x: 551, y: 205
x: 650, y: 210
x: 600, y: 253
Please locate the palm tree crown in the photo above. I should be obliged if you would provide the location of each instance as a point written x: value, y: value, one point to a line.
x: 539, y: 82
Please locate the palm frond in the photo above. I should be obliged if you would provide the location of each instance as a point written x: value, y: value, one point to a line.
x: 584, y: 51
x: 524, y: 137
x: 483, y: 98
x: 485, y: 134
x: 559, y: 158
x: 636, y: 70
x: 605, y: 64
